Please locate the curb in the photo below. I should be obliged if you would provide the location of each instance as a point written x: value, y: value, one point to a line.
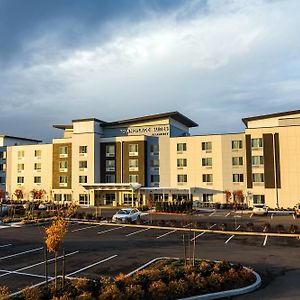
x: 249, y: 233
x: 225, y: 294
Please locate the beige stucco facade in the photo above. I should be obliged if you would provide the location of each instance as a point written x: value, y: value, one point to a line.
x: 262, y: 163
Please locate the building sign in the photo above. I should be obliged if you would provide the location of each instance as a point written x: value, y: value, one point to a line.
x: 157, y: 130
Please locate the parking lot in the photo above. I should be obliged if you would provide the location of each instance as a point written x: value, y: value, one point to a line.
x: 104, y: 249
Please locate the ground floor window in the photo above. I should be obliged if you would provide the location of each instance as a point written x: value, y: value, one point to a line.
x: 180, y: 197
x: 84, y: 199
x: 110, y: 198
x: 62, y: 197
x: 207, y: 197
x: 258, y: 199
x: 160, y: 197
x: 127, y: 199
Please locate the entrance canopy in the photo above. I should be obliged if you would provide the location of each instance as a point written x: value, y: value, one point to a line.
x: 113, y: 186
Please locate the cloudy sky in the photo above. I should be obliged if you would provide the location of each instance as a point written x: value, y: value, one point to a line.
x: 215, y: 61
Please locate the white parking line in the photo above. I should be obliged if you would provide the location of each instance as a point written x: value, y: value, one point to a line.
x: 92, y: 265
x: 79, y: 229
x: 37, y: 264
x: 20, y: 253
x: 294, y: 216
x: 7, y: 245
x: 272, y: 216
x: 212, y: 213
x: 169, y: 232
x: 238, y: 227
x: 251, y: 215
x: 136, y: 232
x: 198, y: 235
x: 227, y: 215
x: 25, y: 274
x: 108, y: 230
x: 212, y: 226
x: 229, y: 239
x: 187, y: 225
x: 265, y: 240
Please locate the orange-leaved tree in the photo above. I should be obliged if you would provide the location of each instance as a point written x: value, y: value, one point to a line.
x: 19, y: 194
x: 54, y: 235
x: 38, y: 194
x: 227, y: 196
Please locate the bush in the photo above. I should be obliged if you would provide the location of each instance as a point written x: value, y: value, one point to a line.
x: 4, y: 291
x: 250, y: 227
x: 280, y: 228
x: 223, y: 226
x: 293, y: 228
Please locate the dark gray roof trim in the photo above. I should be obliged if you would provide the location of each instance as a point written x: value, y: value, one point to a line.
x: 268, y: 116
x: 21, y: 138
x: 63, y: 126
x: 174, y: 115
x: 87, y: 119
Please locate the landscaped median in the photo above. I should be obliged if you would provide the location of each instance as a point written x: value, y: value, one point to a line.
x: 161, y: 278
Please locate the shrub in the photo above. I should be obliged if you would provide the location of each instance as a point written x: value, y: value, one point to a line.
x: 32, y: 293
x: 293, y: 228
x: 280, y: 228
x: 110, y: 292
x: 223, y: 226
x: 250, y: 227
x: 134, y: 292
x: 158, y: 290
x: 4, y: 291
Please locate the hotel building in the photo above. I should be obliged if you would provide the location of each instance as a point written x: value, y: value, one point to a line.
x: 151, y: 158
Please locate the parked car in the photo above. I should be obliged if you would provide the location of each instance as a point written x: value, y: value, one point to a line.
x: 260, y: 209
x: 131, y: 214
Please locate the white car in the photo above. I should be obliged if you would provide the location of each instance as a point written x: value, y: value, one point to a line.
x: 125, y: 214
x: 260, y: 209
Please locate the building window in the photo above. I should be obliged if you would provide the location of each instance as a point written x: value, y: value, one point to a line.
x: 63, y: 180
x: 207, y: 146
x: 181, y: 178
x: 2, y: 167
x: 20, y: 168
x: 110, y: 165
x: 154, y: 163
x: 236, y: 144
x: 82, y: 165
x: 207, y: 162
x: 63, y: 166
x: 37, y: 167
x: 207, y: 177
x: 208, y: 198
x: 2, y: 154
x: 110, y: 198
x: 155, y: 178
x: 133, y: 178
x: 238, y: 177
x: 82, y: 150
x: 20, y: 179
x: 2, y: 180
x: 133, y: 165
x: 110, y: 178
x: 37, y: 179
x: 82, y: 179
x: 256, y: 143
x: 110, y: 150
x: 181, y: 162
x: 84, y: 199
x: 257, y: 160
x: 63, y: 151
x: 154, y: 149
x: 21, y: 154
x: 258, y: 199
x: 37, y: 153
x: 237, y: 161
x: 181, y: 147
x: 258, y: 177
x: 133, y: 149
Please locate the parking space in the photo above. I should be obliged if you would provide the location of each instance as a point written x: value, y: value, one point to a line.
x: 92, y: 250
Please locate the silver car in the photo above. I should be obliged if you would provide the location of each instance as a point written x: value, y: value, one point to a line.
x: 126, y: 214
x: 260, y: 209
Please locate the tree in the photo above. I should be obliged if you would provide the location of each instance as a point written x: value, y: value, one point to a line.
x: 227, y: 196
x: 19, y: 194
x: 238, y: 196
x: 54, y: 235
x: 38, y: 194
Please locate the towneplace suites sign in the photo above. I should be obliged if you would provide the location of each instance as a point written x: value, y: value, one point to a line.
x: 147, y: 130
